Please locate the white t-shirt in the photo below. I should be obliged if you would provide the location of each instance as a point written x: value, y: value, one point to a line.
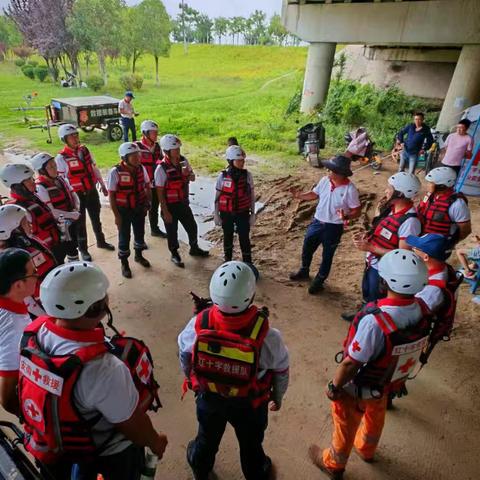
x: 127, y: 107
x: 331, y: 199
x: 104, y: 386
x: 432, y: 295
x: 13, y: 321
x: 112, y: 179
x: 161, y: 177
x: 411, y: 226
x: 457, y: 146
x: 370, y: 340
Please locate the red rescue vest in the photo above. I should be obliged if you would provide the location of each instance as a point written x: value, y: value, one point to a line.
x: 81, y: 174
x: 59, y: 193
x: 385, y: 234
x: 401, y: 352
x: 433, y: 211
x: 176, y: 188
x: 54, y: 428
x: 150, y: 158
x: 235, y: 195
x: 130, y: 191
x: 227, y: 363
x: 44, y: 226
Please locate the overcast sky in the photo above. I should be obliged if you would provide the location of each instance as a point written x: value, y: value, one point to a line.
x: 215, y: 8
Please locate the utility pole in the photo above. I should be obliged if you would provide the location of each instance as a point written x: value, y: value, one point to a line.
x: 182, y: 6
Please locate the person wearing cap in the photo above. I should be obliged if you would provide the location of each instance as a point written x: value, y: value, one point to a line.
x: 128, y: 115
x: 77, y: 165
x: 443, y: 210
x: 172, y: 178
x: 458, y: 146
x: 396, y: 221
x: 18, y: 280
x: 150, y: 156
x: 129, y: 190
x: 383, y: 345
x: 235, y: 203
x: 57, y: 193
x: 338, y: 202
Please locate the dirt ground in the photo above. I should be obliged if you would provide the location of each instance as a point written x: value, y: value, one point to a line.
x: 432, y: 434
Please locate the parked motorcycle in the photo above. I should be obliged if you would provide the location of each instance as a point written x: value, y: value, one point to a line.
x: 310, y: 139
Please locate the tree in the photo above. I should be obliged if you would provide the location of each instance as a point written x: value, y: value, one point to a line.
x: 134, y: 34
x: 157, y: 39
x: 276, y: 29
x: 203, y: 28
x: 220, y: 27
x: 256, y: 31
x: 97, y: 26
x: 236, y: 26
x: 9, y: 35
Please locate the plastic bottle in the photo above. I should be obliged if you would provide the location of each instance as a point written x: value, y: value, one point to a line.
x: 150, y: 468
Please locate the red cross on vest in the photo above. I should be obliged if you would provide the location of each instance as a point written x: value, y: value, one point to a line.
x: 37, y: 375
x: 356, y: 347
x: 407, y: 365
x: 144, y: 369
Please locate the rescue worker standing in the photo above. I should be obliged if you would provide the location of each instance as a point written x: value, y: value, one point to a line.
x: 151, y: 155
x: 172, y: 178
x: 129, y: 194
x: 396, y: 221
x: 228, y: 390
x: 59, y: 196
x: 101, y: 423
x: 17, y: 282
x: 383, y: 346
x: 338, y: 202
x: 19, y: 178
x: 235, y: 204
x: 75, y: 162
x: 443, y: 210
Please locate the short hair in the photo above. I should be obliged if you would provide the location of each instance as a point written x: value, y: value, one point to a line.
x: 232, y: 141
x: 465, y: 122
x: 419, y: 114
x: 13, y: 267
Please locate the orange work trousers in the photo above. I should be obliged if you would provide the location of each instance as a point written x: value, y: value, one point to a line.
x: 356, y: 422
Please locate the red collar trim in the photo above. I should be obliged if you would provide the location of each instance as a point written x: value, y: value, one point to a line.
x: 403, y: 211
x: 87, y: 336
x: 12, y: 306
x: 445, y: 194
x: 342, y: 183
x: 145, y: 141
x: 395, y: 302
x: 434, y: 271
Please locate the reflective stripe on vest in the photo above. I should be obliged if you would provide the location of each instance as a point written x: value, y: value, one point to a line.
x: 58, y: 192
x: 235, y: 196
x: 150, y: 159
x: 81, y: 174
x: 130, y: 191
x: 176, y: 187
x: 386, y: 234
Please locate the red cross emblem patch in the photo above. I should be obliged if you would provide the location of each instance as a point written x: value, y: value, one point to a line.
x: 356, y: 347
x: 144, y: 368
x: 32, y: 410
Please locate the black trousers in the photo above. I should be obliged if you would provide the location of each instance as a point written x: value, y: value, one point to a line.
x: 153, y: 212
x: 132, y: 219
x: 89, y: 202
x: 213, y: 413
x: 181, y: 212
x: 242, y: 223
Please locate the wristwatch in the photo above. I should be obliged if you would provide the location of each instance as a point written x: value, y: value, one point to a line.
x: 332, y: 389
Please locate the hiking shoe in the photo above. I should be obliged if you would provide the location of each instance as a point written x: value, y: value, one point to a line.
x: 366, y: 460
x: 316, y: 285
x: 139, y: 258
x: 302, y: 274
x: 86, y: 257
x: 105, y: 246
x: 156, y: 232
x: 126, y: 272
x: 196, y: 251
x: 177, y: 260
x: 315, y: 454
x: 347, y: 316
x: 196, y: 475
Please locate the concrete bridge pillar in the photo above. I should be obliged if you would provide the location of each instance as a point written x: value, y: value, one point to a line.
x: 317, y: 75
x: 464, y: 89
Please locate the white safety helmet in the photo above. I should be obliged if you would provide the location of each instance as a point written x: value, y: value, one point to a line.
x: 170, y: 142
x: 65, y: 130
x: 127, y: 148
x: 148, y: 126
x: 15, y: 173
x: 406, y: 183
x: 232, y: 287
x: 442, y: 176
x: 39, y: 160
x: 69, y: 290
x: 234, y: 152
x: 404, y: 271
x: 11, y: 217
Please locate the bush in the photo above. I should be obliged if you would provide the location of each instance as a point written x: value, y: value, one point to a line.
x: 19, y: 62
x: 22, y: 51
x: 95, y: 82
x: 131, y: 82
x: 33, y: 63
x: 41, y: 72
x: 137, y: 81
x: 353, y: 113
x: 28, y: 71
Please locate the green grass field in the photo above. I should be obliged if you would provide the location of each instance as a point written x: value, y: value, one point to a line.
x: 206, y: 96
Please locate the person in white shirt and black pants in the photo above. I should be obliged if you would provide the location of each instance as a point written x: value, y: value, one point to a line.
x: 128, y: 115
x: 338, y: 201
